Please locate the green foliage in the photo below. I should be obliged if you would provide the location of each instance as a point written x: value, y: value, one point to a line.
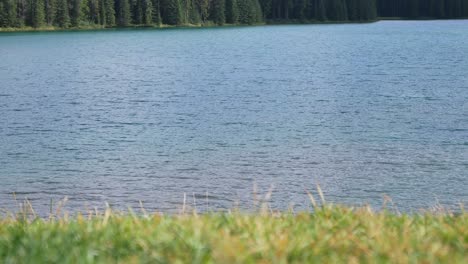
x: 137, y: 12
x: 37, y: 13
x: 50, y: 11
x: 156, y: 14
x: 320, y: 10
x: 123, y: 13
x: 249, y: 12
x: 8, y: 13
x: 62, y: 17
x: 219, y: 12
x: 194, y: 15
x: 123, y: 16
x: 109, y: 13
x: 232, y: 12
x: 75, y: 12
x: 423, y: 8
x: 329, y: 235
x: 85, y: 12
x: 172, y: 12
x: 204, y: 7
x: 148, y: 12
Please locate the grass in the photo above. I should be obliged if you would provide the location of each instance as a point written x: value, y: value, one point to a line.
x: 100, y: 27
x: 331, y: 234
x: 207, y: 24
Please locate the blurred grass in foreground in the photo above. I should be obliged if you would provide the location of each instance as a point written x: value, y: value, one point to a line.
x: 331, y: 234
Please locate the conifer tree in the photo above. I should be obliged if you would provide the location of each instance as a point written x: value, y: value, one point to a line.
x: 258, y: 11
x: 37, y: 13
x: 157, y: 20
x: 94, y: 13
x: 123, y: 13
x: 75, y: 13
x: 465, y: 8
x: 148, y: 9
x: 353, y: 10
x: 172, y: 12
x: 232, y: 12
x: 85, y: 12
x: 218, y: 12
x: 320, y: 10
x: 137, y: 11
x: 300, y: 10
x: 50, y: 10
x: 110, y: 13
x: 204, y: 7
x: 102, y: 12
x: 266, y: 6
x: 62, y: 17
x: 8, y: 13
x: 413, y: 8
x: 248, y: 11
x: 194, y: 15
x: 3, y: 15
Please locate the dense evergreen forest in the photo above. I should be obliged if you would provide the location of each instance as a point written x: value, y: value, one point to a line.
x: 123, y: 13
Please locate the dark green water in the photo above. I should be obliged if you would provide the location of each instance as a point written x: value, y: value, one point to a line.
x: 123, y: 116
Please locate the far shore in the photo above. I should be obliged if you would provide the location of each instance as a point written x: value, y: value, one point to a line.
x: 209, y: 25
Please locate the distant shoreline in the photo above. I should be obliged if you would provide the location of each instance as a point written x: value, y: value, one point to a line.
x: 268, y: 23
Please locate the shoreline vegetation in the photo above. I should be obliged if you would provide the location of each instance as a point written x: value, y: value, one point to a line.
x: 59, y: 15
x: 187, y: 26
x: 329, y: 234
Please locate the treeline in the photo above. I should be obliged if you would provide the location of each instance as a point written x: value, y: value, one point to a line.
x: 423, y: 8
x: 123, y: 13
x: 319, y: 10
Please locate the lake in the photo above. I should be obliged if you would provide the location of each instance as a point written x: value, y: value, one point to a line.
x: 123, y: 116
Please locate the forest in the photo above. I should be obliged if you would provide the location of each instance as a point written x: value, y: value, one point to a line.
x: 125, y: 13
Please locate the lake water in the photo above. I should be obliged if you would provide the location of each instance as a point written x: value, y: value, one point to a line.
x: 148, y: 115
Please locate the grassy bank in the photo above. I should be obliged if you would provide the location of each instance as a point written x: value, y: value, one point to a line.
x: 204, y: 25
x: 98, y: 27
x: 332, y: 234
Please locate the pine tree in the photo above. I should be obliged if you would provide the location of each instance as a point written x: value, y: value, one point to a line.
x: 353, y: 10
x: 148, y: 12
x: 248, y: 11
x: 102, y: 12
x: 204, y: 7
x: 3, y: 15
x: 110, y: 13
x: 194, y: 15
x: 172, y: 12
x: 320, y: 10
x: 371, y: 10
x: 266, y: 6
x: 258, y: 11
x: 75, y: 13
x: 157, y: 20
x: 218, y: 12
x: 465, y: 8
x: 344, y: 11
x: 62, y: 17
x: 413, y: 8
x: 123, y: 13
x: 50, y: 11
x: 440, y: 11
x: 85, y: 12
x: 232, y: 12
x: 8, y: 13
x: 137, y: 11
x: 37, y: 13
x: 94, y: 13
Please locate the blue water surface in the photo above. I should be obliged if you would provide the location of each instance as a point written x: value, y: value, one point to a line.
x: 124, y: 116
